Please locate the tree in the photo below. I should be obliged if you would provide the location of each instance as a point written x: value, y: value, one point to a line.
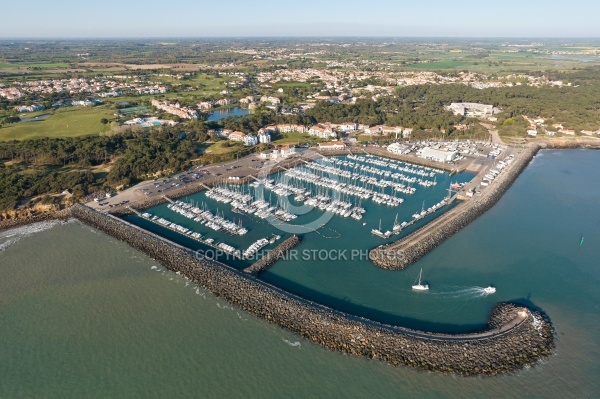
x: 104, y: 121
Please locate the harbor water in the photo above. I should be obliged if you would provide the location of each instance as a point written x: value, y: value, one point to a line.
x: 83, y: 315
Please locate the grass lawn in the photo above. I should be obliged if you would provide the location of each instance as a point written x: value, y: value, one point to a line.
x: 66, y: 122
x: 219, y: 148
x: 294, y: 137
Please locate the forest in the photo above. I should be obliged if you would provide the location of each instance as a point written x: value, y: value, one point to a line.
x: 33, y: 167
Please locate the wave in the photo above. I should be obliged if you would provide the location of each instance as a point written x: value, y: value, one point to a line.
x: 294, y: 344
x: 12, y: 236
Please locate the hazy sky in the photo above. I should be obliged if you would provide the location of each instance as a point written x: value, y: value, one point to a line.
x: 199, y: 18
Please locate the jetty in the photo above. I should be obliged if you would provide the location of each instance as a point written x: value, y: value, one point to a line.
x: 273, y: 256
x: 514, y: 338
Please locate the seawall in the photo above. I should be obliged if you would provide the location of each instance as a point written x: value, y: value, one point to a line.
x: 273, y: 256
x: 400, y: 254
x: 509, y: 343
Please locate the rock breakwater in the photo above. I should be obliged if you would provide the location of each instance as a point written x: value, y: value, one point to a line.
x: 508, y: 344
x: 273, y: 256
x: 400, y: 254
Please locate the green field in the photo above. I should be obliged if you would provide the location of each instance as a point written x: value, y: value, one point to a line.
x: 134, y: 110
x: 66, y: 122
x: 440, y: 65
x: 294, y: 137
x: 219, y: 147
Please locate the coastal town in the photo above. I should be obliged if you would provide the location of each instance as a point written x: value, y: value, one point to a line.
x: 321, y: 186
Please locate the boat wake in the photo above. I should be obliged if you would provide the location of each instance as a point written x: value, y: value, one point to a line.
x: 459, y: 292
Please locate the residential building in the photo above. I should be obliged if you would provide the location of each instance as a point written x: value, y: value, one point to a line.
x: 287, y: 150
x: 264, y: 137
x: 30, y: 108
x: 321, y: 132
x: 332, y: 145
x: 175, y: 109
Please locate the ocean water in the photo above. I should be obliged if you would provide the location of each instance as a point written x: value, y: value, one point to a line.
x: 84, y: 315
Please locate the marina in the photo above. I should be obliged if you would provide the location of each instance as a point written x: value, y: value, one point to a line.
x: 328, y: 217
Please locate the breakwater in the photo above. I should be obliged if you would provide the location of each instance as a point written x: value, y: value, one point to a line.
x: 510, y: 342
x: 273, y: 256
x: 400, y: 254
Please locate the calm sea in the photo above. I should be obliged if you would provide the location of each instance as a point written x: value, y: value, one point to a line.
x: 83, y: 315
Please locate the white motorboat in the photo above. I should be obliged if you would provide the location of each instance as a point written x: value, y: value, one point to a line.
x: 489, y: 290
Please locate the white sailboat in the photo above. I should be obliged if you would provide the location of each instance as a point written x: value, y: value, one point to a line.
x: 419, y: 286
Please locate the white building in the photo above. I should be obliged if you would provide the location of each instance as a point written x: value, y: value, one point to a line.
x: 321, y: 132
x: 437, y: 155
x: 264, y: 137
x: 332, y: 145
x: 250, y: 140
x: 247, y: 139
x: 397, y: 148
x: 348, y: 127
x: 287, y: 150
x: 472, y: 109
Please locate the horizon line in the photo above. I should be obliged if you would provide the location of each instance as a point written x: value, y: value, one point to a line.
x: 293, y: 37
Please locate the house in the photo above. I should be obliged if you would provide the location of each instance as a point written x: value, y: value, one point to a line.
x: 332, y: 145
x: 205, y: 105
x: 224, y: 101
x: 237, y: 136
x: 406, y: 133
x: 570, y: 132
x: 287, y: 150
x: 532, y: 132
x: 373, y: 129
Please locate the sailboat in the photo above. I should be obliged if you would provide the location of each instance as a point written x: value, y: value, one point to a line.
x: 419, y: 286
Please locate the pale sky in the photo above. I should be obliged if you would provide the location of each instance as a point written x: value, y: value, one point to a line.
x: 198, y: 18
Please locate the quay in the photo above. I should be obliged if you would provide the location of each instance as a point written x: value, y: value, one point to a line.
x: 400, y: 254
x: 514, y: 338
x: 274, y: 255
